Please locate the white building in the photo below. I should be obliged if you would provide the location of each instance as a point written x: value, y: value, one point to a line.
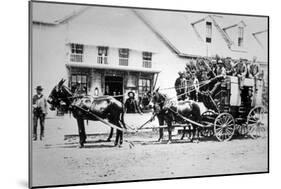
x: 116, y: 50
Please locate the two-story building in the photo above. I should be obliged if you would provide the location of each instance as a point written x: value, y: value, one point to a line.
x: 116, y: 50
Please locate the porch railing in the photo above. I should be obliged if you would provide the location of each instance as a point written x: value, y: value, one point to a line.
x: 102, y: 60
x: 146, y: 64
x: 76, y: 57
x: 123, y: 61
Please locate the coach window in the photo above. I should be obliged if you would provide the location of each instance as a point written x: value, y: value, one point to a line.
x: 102, y: 55
x: 76, y: 52
x: 240, y: 36
x: 208, y: 32
x: 124, y: 57
x: 147, y: 59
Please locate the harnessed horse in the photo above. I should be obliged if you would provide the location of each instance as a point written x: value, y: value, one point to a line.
x: 83, y: 107
x: 169, y: 112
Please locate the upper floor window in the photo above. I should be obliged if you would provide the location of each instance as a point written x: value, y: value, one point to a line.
x: 208, y: 32
x: 76, y: 52
x: 124, y: 57
x: 240, y: 36
x: 102, y: 55
x: 147, y: 59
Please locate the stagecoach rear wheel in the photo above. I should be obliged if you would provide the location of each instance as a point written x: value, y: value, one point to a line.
x: 224, y: 127
x: 256, y: 122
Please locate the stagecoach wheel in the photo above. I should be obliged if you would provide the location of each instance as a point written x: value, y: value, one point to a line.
x: 256, y: 122
x: 224, y: 127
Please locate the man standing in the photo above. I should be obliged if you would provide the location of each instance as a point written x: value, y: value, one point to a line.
x: 241, y: 71
x: 39, y: 105
x: 180, y: 86
x: 254, y: 69
x: 131, y: 105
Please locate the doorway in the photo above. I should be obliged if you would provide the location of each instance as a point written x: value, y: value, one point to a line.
x: 114, y: 86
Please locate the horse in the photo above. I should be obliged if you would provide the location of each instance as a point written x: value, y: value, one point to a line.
x: 104, y: 107
x: 169, y: 112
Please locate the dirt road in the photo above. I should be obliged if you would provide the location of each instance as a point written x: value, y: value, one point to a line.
x: 58, y: 161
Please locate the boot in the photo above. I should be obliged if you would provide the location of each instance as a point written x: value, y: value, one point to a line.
x: 42, y: 136
x: 34, y: 138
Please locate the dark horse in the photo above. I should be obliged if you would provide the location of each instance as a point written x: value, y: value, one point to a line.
x: 169, y: 112
x: 105, y: 107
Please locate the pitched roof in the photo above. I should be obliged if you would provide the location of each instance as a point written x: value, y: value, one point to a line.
x: 173, y: 29
x: 53, y: 14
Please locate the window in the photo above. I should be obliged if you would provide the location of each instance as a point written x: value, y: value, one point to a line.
x: 79, y: 82
x: 76, y: 52
x: 102, y: 55
x: 124, y: 57
x: 144, y: 86
x: 208, y: 32
x: 147, y: 58
x: 240, y: 36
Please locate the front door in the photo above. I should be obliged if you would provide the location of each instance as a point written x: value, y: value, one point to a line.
x: 114, y: 87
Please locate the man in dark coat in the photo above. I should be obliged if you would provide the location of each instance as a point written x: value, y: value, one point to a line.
x: 241, y: 71
x: 39, y: 105
x: 180, y: 86
x: 131, y: 104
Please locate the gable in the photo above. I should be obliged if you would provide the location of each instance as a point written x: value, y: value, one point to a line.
x: 114, y: 27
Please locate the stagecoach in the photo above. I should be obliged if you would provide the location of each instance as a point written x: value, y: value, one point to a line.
x: 236, y: 111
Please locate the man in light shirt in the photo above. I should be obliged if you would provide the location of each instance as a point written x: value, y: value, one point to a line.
x: 39, y: 106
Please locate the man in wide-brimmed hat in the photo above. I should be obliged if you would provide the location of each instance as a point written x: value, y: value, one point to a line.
x: 39, y: 105
x: 241, y: 71
x: 180, y: 86
x: 131, y: 105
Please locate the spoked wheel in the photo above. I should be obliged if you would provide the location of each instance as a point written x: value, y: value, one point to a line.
x: 224, y: 127
x: 256, y: 122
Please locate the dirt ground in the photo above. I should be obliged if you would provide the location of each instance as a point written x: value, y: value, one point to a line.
x: 57, y: 161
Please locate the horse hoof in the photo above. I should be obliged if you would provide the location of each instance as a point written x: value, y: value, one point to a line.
x: 169, y: 142
x: 81, y: 146
x: 108, y: 140
x: 159, y: 140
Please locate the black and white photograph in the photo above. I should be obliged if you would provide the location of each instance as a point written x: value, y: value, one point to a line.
x: 123, y: 94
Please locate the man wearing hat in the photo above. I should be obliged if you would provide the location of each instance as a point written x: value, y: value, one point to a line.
x: 241, y: 71
x: 180, y: 86
x: 39, y: 105
x: 254, y: 71
x: 221, y: 75
x: 131, y: 104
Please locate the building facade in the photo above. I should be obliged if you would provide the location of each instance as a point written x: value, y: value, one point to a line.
x: 111, y: 51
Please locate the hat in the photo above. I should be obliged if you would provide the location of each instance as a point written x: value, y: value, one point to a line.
x: 180, y: 73
x: 39, y: 88
x: 220, y: 62
x: 131, y: 92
